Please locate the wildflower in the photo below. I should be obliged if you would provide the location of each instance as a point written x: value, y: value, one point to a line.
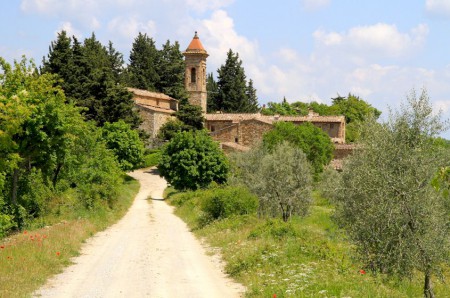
x: 25, y: 232
x: 362, y: 271
x: 2, y: 247
x: 274, y: 296
x: 58, y: 253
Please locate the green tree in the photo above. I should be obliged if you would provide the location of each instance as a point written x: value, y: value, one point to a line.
x: 213, y: 90
x: 125, y: 143
x: 171, y: 68
x: 233, y: 89
x: 169, y: 129
x: 192, y: 160
x: 142, y: 70
x: 397, y: 220
x: 313, y: 141
x: 281, y: 178
x: 252, y: 98
x: 90, y: 74
x: 190, y: 115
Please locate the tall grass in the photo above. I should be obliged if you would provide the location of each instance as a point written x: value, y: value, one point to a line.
x: 306, y: 257
x: 28, y: 259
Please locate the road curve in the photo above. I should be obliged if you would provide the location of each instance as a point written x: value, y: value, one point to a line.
x: 148, y: 253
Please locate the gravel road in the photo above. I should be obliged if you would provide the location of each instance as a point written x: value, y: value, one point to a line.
x: 149, y: 253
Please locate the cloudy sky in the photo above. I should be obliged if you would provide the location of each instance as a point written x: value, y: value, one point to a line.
x: 302, y: 49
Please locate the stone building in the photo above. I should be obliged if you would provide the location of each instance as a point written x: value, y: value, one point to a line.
x: 155, y: 109
x: 233, y: 131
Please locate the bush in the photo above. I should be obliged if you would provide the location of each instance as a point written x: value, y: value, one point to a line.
x: 151, y: 159
x: 125, y: 143
x: 225, y: 202
x: 192, y: 160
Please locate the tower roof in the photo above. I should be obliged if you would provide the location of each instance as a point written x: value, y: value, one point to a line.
x: 196, y: 46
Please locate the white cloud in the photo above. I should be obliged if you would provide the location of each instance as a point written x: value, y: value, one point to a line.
x: 71, y: 31
x: 129, y: 27
x: 313, y: 5
x: 204, y: 5
x: 380, y: 39
x: 438, y: 7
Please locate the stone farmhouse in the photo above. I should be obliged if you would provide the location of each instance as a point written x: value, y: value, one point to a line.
x: 233, y: 131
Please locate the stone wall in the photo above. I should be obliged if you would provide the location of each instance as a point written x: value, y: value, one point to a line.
x: 252, y: 131
x: 152, y: 120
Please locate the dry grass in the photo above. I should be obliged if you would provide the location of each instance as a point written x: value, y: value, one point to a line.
x: 28, y: 259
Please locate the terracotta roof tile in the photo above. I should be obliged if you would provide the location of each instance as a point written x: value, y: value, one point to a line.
x: 195, y: 46
x: 155, y: 109
x: 271, y: 119
x: 146, y: 93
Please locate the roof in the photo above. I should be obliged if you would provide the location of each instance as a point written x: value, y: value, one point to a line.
x: 272, y: 119
x: 195, y: 46
x: 155, y: 109
x: 146, y: 93
x: 235, y: 146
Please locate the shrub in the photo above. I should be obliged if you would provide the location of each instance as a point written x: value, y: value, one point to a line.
x: 125, y: 143
x: 225, y: 202
x: 192, y: 160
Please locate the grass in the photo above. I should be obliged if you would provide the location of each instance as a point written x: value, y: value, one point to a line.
x: 151, y: 158
x: 28, y: 259
x: 306, y: 257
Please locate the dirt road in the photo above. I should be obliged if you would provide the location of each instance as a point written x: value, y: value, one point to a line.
x: 149, y: 253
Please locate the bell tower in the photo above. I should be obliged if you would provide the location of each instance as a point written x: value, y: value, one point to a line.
x: 195, y: 75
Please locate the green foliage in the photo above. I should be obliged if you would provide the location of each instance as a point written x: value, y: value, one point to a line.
x: 313, y: 141
x: 191, y: 116
x: 171, y: 69
x: 144, y: 56
x: 169, y: 129
x: 151, y: 159
x: 355, y: 110
x: 192, y: 160
x: 90, y: 76
x: 281, y: 178
x: 47, y: 149
x: 234, y: 94
x: 125, y: 143
x: 219, y: 203
x: 213, y: 90
x: 397, y: 220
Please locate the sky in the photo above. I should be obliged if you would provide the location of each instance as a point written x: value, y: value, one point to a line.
x: 303, y: 50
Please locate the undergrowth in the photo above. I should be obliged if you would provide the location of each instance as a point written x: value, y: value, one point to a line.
x: 305, y: 257
x: 29, y: 258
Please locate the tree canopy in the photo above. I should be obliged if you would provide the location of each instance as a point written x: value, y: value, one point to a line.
x: 385, y: 198
x: 355, y: 110
x: 91, y: 76
x: 192, y: 160
x: 234, y: 94
x: 313, y: 141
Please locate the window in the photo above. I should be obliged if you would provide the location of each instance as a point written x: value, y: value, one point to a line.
x: 236, y: 140
x: 193, y: 75
x: 212, y: 128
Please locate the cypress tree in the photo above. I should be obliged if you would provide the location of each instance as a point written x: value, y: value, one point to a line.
x: 143, y: 64
x: 233, y: 93
x: 171, y: 68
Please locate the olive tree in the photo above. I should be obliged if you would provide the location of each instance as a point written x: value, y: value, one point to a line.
x: 386, y: 200
x: 281, y: 179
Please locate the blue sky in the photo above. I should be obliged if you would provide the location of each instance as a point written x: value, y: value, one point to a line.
x: 302, y: 49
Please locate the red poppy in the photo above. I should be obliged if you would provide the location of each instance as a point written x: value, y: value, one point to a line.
x: 58, y: 253
x: 2, y: 247
x: 274, y: 295
x: 25, y: 232
x: 362, y: 271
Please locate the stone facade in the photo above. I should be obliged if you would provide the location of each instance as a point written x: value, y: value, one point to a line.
x: 248, y: 129
x: 155, y: 109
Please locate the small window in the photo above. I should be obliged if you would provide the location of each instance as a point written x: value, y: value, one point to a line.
x: 193, y: 75
x: 212, y: 128
x: 236, y: 140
